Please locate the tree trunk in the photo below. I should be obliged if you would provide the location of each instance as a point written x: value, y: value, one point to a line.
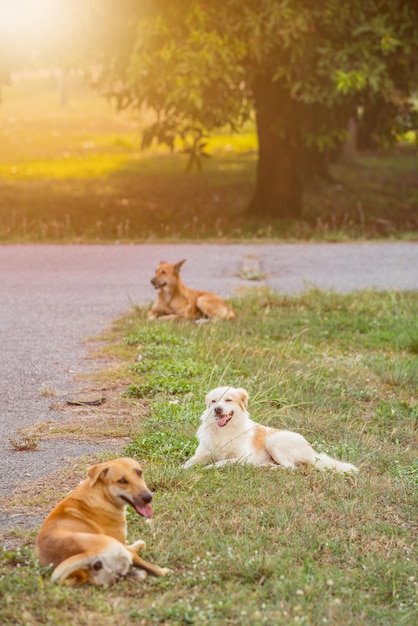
x: 367, y: 135
x: 63, y: 87
x: 315, y: 165
x: 278, y: 191
x: 350, y: 144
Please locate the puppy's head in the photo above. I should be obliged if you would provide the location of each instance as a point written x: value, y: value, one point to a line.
x: 166, y: 274
x: 224, y: 403
x: 107, y: 570
x: 100, y: 569
x: 123, y: 482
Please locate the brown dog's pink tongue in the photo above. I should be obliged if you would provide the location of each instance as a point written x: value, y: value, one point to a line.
x: 145, y: 510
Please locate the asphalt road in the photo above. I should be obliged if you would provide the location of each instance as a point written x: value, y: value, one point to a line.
x: 53, y: 298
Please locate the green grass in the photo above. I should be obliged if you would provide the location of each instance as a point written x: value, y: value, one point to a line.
x: 252, y: 546
x: 78, y: 174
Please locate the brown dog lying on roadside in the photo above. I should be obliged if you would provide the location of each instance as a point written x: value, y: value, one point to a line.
x: 176, y: 301
x: 84, y: 537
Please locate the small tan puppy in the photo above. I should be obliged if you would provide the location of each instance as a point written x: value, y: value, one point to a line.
x: 176, y: 301
x: 228, y: 435
x: 85, y: 534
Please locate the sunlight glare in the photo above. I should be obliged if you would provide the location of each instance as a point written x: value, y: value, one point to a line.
x: 30, y: 21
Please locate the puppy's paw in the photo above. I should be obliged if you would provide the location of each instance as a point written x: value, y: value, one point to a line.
x: 137, y: 574
x: 138, y: 545
x: 165, y: 570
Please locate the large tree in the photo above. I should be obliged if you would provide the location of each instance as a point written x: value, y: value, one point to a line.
x: 305, y: 67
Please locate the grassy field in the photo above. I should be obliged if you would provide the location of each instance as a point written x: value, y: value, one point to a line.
x: 252, y: 546
x: 78, y: 174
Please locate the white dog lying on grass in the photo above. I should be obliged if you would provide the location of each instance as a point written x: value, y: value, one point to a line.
x: 227, y: 434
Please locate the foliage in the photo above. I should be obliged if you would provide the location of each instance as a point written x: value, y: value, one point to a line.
x: 196, y: 63
x: 201, y: 66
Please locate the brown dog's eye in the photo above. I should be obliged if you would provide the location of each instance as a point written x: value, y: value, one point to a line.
x: 139, y: 472
x: 123, y: 481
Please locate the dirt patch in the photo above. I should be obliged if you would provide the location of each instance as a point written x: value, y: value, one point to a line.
x: 116, y: 418
x: 111, y: 424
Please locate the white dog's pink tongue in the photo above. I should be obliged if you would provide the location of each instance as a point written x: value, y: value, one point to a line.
x: 222, y: 421
x: 145, y: 510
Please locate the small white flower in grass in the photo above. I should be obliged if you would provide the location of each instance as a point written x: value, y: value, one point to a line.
x: 330, y: 582
x: 300, y: 592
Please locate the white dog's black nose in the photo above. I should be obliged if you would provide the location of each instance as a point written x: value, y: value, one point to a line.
x: 218, y: 410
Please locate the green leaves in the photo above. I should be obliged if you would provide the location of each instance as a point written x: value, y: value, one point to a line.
x: 350, y: 81
x: 197, y: 65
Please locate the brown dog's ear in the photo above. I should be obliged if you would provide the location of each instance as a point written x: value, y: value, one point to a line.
x: 97, y: 471
x: 243, y: 396
x: 178, y: 265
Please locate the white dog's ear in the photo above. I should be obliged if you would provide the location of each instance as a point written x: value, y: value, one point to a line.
x: 178, y: 265
x: 97, y: 471
x: 243, y: 396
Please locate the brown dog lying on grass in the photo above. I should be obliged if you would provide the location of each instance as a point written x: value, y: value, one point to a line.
x: 85, y: 535
x: 176, y: 301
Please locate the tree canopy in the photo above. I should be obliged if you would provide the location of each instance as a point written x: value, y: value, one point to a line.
x: 305, y: 67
